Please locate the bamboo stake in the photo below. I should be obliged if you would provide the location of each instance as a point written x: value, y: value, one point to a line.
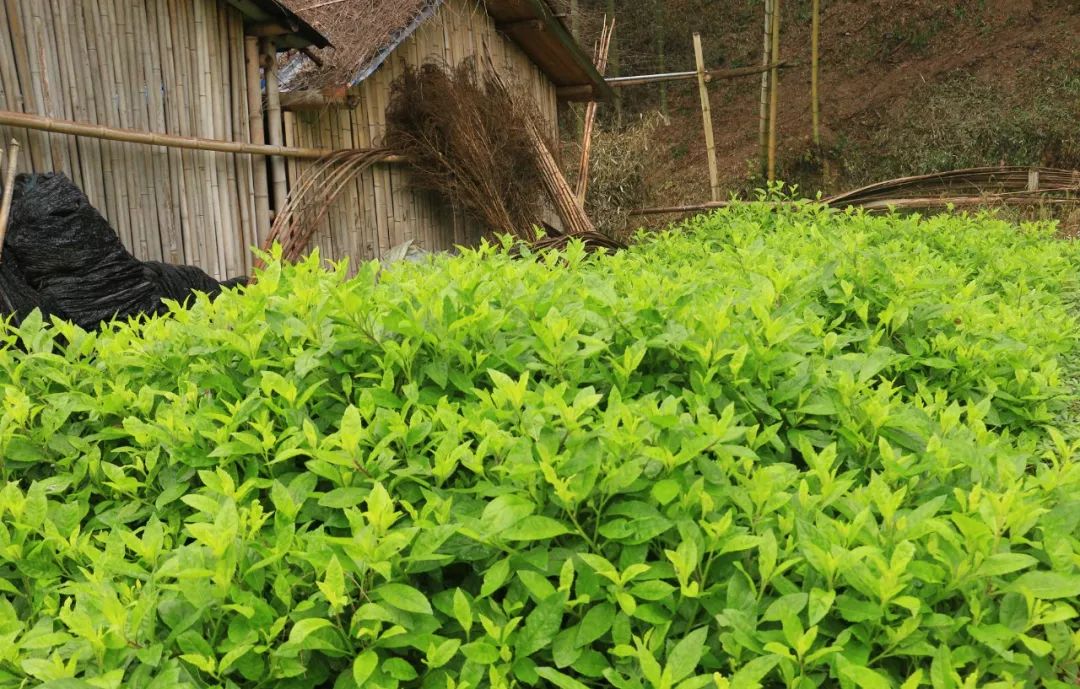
x: 278, y: 180
x: 9, y: 188
x: 590, y: 112
x: 763, y: 122
x: 774, y: 80
x: 815, y: 44
x: 706, y: 114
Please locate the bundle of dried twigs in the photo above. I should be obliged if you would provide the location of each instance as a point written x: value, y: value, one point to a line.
x: 467, y: 140
x: 312, y: 196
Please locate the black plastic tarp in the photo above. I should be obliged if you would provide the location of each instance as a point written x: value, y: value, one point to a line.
x: 61, y: 255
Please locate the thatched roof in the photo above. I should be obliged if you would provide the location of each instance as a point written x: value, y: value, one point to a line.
x: 365, y: 32
x: 291, y: 29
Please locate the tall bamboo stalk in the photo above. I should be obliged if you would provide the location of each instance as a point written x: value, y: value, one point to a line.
x: 774, y: 80
x: 278, y: 179
x: 257, y: 133
x: 815, y: 43
x: 766, y: 53
x: 661, y: 55
x: 706, y: 114
x: 590, y: 112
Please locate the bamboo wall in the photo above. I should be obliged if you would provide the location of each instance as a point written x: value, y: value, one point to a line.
x: 169, y: 66
x: 381, y: 210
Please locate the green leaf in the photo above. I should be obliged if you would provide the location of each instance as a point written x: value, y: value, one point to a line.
x: 1047, y: 585
x: 333, y: 585
x: 595, y: 624
x: 683, y: 659
x: 400, y: 669
x: 541, y: 625
x: 495, y: 577
x: 364, y: 666
x: 442, y: 654
x: 559, y: 679
x: 1005, y: 563
x: 941, y: 668
x: 480, y: 652
x: 305, y: 628
x: 463, y: 610
x: 535, y: 528
x: 750, y: 675
x: 403, y: 597
x: 862, y: 676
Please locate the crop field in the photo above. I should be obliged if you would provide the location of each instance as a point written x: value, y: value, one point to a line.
x: 769, y: 448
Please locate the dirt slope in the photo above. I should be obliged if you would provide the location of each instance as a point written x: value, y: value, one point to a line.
x: 908, y: 86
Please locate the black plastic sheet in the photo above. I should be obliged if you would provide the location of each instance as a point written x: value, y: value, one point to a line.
x: 62, y: 256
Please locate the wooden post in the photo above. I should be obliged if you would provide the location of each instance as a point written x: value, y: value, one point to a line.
x: 763, y: 121
x: 9, y: 188
x: 706, y: 113
x: 774, y: 81
x: 278, y: 180
x: 815, y: 44
x: 258, y: 136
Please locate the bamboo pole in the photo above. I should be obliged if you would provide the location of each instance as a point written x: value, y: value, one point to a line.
x: 9, y: 188
x: 583, y: 92
x: 96, y: 131
x: 874, y: 205
x: 590, y: 112
x: 815, y: 45
x: 278, y: 181
x: 774, y: 79
x: 766, y: 60
x: 706, y: 114
x: 257, y: 136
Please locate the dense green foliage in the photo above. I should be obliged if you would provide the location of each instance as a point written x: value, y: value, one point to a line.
x: 790, y: 448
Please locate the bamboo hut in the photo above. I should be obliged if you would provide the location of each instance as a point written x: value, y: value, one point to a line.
x: 342, y: 104
x: 186, y: 68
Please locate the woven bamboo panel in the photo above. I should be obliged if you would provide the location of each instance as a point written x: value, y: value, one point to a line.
x: 168, y: 66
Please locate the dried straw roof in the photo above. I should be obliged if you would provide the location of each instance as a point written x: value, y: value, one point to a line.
x: 365, y: 32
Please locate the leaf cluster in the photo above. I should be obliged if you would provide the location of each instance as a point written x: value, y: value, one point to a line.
x: 781, y: 448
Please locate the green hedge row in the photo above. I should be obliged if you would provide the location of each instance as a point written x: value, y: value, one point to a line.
x: 792, y: 448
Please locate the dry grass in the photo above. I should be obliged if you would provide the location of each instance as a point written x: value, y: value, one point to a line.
x: 358, y: 29
x: 467, y: 140
x: 619, y: 183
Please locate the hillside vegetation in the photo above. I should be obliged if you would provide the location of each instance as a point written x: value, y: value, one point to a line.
x: 907, y: 87
x: 793, y: 448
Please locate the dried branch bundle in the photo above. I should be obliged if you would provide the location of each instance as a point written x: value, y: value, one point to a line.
x: 468, y: 141
x: 311, y: 199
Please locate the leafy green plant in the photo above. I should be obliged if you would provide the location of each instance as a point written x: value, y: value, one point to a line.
x: 780, y: 448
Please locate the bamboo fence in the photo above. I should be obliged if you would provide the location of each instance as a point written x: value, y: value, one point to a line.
x: 170, y: 70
